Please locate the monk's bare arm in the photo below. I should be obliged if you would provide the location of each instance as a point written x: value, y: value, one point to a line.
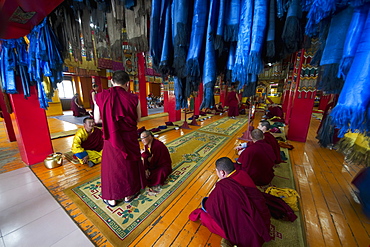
x: 97, y: 114
x: 138, y: 110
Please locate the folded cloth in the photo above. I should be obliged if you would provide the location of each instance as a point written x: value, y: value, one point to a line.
x: 155, y: 130
x: 275, y: 130
x: 162, y: 127
x: 169, y: 124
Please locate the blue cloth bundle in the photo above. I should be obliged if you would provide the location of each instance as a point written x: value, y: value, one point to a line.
x: 352, y: 39
x: 193, y: 61
x: 209, y: 66
x: 270, y: 38
x: 8, y: 63
x: 353, y: 110
x: 156, y: 33
x: 232, y: 18
x: 165, y: 66
x: 292, y: 33
x: 180, y: 88
x: 219, y: 37
x: 358, y: 3
x: 319, y: 10
x: 230, y: 63
x: 329, y: 81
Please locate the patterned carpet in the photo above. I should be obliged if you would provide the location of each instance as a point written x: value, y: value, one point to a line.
x: 225, y: 126
x: 122, y: 224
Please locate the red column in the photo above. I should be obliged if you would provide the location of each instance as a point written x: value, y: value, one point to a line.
x: 198, y: 100
x: 165, y: 100
x: 31, y: 127
x: 7, y: 119
x: 142, y: 84
x: 173, y: 114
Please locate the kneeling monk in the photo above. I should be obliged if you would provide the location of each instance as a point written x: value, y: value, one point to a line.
x: 235, y: 209
x: 88, y: 143
x: 157, y: 160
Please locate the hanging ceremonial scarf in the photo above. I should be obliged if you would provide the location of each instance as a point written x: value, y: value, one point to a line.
x: 329, y: 82
x: 199, y: 26
x: 136, y: 26
x: 165, y: 66
x: 352, y: 110
x: 230, y: 63
x: 181, y: 25
x: 209, y: 66
x: 232, y: 18
x: 292, y: 33
x: 8, y: 66
x: 319, y: 10
x: 155, y: 34
x: 270, y: 40
x: 180, y: 88
x: 352, y: 39
x: 219, y: 40
x: 323, y: 34
x: 358, y: 3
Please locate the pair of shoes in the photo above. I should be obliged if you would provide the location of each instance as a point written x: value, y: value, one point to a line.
x: 90, y: 163
x: 110, y: 205
x: 131, y: 198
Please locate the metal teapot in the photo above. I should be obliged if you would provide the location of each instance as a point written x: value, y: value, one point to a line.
x: 53, y: 160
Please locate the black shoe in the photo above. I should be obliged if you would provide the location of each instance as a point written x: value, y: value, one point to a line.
x: 90, y: 163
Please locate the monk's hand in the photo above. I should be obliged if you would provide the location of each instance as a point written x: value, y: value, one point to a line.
x: 85, y: 159
x: 147, y: 173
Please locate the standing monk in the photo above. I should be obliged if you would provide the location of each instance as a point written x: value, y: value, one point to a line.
x: 157, y: 161
x: 264, y: 126
x: 122, y: 172
x: 235, y: 209
x: 233, y: 102
x: 93, y: 93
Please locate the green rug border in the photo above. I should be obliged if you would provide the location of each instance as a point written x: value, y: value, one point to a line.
x: 107, y: 232
x: 231, y: 135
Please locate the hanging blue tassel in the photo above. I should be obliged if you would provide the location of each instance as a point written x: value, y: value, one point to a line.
x: 319, y: 10
x: 232, y: 19
x: 180, y: 88
x: 165, y: 66
x: 220, y: 26
x: 353, y: 103
x: 8, y: 66
x: 155, y: 37
x: 352, y: 39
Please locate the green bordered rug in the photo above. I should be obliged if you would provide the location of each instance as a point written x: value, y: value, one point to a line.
x: 285, y: 233
x: 225, y: 126
x: 317, y: 116
x: 122, y: 224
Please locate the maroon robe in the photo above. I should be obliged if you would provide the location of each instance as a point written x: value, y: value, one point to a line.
x: 122, y: 172
x: 160, y: 165
x: 94, y: 141
x: 91, y: 100
x: 77, y: 111
x: 270, y: 139
x: 239, y: 209
x: 258, y: 160
x: 233, y: 104
x: 275, y: 111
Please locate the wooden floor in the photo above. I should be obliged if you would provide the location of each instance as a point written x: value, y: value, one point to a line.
x: 332, y: 217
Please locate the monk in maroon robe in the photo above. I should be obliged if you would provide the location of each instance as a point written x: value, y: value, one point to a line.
x: 78, y: 110
x: 275, y: 111
x: 157, y: 160
x: 264, y: 126
x: 93, y: 93
x: 235, y: 209
x: 122, y: 172
x: 233, y: 103
x: 258, y: 159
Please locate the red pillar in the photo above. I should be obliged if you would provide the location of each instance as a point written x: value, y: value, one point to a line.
x: 173, y: 114
x: 165, y: 101
x: 31, y: 127
x: 7, y: 119
x: 198, y: 100
x: 142, y: 84
x: 301, y: 107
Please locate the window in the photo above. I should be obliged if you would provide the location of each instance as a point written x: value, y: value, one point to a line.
x: 65, y: 88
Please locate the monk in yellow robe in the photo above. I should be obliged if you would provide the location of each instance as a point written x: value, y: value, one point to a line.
x: 88, y: 143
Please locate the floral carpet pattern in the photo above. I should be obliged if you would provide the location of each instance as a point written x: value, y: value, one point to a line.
x: 124, y: 222
x: 225, y: 126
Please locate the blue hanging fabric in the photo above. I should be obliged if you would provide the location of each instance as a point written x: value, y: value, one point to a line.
x: 155, y: 37
x: 270, y: 37
x: 352, y: 39
x: 230, y: 63
x: 319, y: 10
x: 209, y: 66
x: 22, y: 65
x: 8, y: 62
x: 352, y: 111
x: 280, y: 8
x: 232, y: 18
x: 180, y: 88
x: 165, y: 66
x: 329, y: 82
x: 358, y: 3
x: 219, y: 37
x: 323, y: 34
x: 240, y: 72
x: 181, y: 27
x: 260, y: 15
x: 193, y: 61
x: 292, y: 35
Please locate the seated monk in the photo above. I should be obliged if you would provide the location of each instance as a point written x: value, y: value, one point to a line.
x: 264, y: 126
x: 258, y: 159
x: 78, y: 110
x: 275, y: 111
x: 235, y: 209
x: 157, y: 161
x: 88, y: 143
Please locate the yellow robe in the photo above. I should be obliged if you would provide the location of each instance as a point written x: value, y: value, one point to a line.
x: 81, y: 136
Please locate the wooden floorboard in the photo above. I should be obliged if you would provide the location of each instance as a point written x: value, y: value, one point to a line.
x: 331, y: 215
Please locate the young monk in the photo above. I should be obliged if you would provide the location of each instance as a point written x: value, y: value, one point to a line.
x: 264, y: 126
